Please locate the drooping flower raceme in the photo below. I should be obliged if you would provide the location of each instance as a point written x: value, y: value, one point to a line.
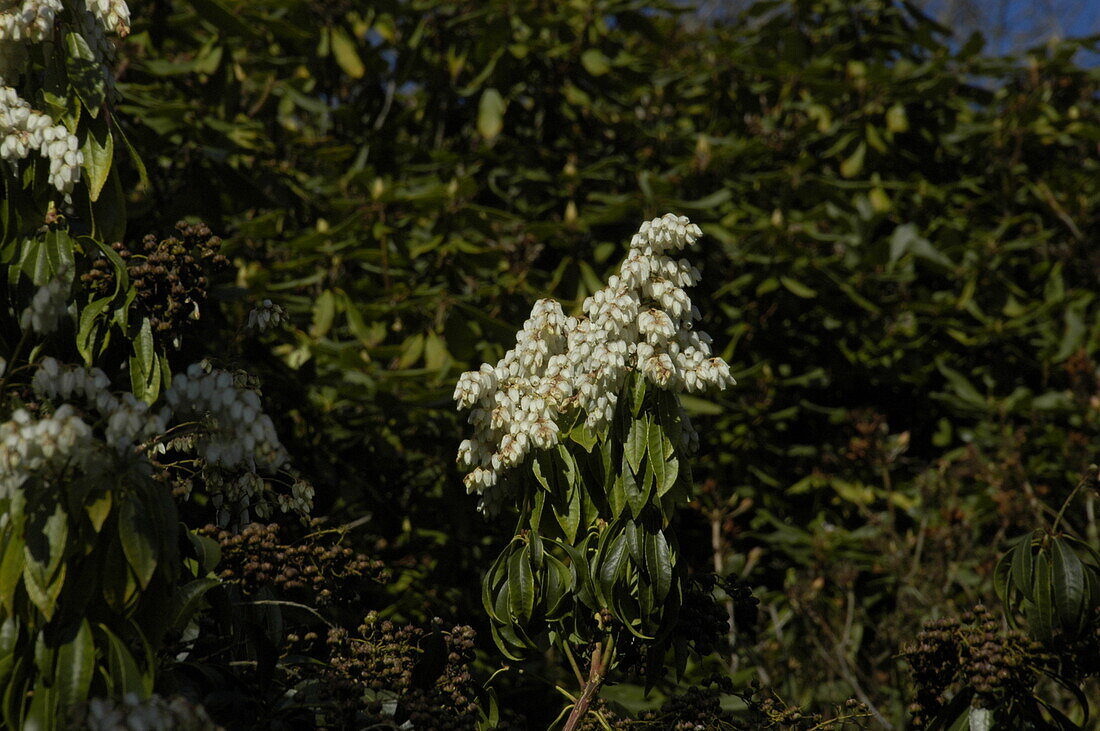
x: 240, y: 433
x: 642, y: 322
x: 236, y: 438
x: 29, y: 446
x: 46, y: 307
x: 265, y: 315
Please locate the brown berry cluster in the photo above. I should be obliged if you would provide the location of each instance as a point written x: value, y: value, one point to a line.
x: 975, y: 651
x: 427, y: 670
x: 766, y: 710
x: 316, y: 570
x: 170, y: 276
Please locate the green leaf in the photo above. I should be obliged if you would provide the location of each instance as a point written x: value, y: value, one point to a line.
x: 659, y: 563
x: 638, y: 393
x: 634, y: 542
x: 1040, y: 613
x: 86, y: 331
x: 635, y: 445
x: 135, y: 158
x: 798, y: 288
x: 896, y: 119
x: 137, y: 543
x: 207, y: 550
x: 906, y: 239
x: 571, y: 519
x: 962, y: 387
x: 613, y: 561
x: 11, y: 570
x: 521, y: 584
x: 490, y: 114
x: 99, y: 150
x: 99, y: 509
x: 75, y: 664
x: 1023, y: 568
x: 343, y: 48
x: 635, y: 496
x: 595, y: 62
x: 1069, y: 586
x: 124, y: 675
x: 185, y: 602
x: 217, y: 13
x: 659, y: 450
x: 853, y: 164
x: 583, y: 436
x: 120, y: 586
x: 538, y: 552
x: 86, y: 75
x: 616, y: 496
x: 109, y: 210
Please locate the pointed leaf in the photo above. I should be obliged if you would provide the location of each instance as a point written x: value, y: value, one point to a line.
x: 137, y: 544
x: 1069, y: 586
x: 75, y: 663
x: 635, y: 445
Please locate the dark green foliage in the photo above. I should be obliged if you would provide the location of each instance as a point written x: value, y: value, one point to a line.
x: 899, y: 264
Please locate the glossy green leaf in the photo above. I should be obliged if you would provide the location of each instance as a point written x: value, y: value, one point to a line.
x: 490, y: 114
x: 186, y: 601
x: 635, y: 445
x: 98, y: 151
x: 343, y: 48
x: 75, y: 664
x: 1068, y: 574
x: 125, y: 675
x: 1023, y: 568
x: 137, y: 543
x: 1040, y: 612
x: 521, y: 584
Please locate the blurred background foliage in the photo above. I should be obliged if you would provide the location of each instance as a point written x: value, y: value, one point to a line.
x: 900, y: 264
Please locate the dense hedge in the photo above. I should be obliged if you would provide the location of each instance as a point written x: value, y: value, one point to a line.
x: 899, y: 263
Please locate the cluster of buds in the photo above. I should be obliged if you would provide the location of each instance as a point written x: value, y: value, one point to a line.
x: 264, y: 316
x: 316, y: 569
x: 171, y: 277
x: 642, y: 322
x: 972, y: 650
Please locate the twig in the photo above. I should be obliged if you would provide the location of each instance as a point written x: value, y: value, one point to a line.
x: 597, y: 672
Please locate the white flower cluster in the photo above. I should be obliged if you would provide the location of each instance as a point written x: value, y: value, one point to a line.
x: 240, y: 433
x: 24, y: 23
x: 29, y: 445
x: 29, y: 21
x: 134, y: 714
x: 22, y: 129
x: 129, y: 421
x: 641, y: 322
x: 47, y: 307
x: 236, y: 435
x: 264, y: 316
x: 112, y: 15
